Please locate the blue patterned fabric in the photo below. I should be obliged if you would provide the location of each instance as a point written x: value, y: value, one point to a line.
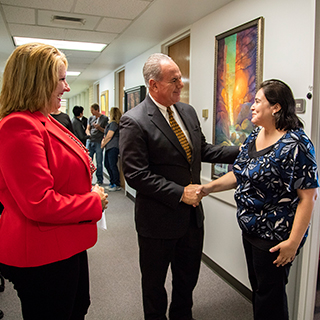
x: 266, y: 195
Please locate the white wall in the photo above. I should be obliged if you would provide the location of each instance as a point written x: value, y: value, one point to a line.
x: 288, y: 55
x: 133, y: 69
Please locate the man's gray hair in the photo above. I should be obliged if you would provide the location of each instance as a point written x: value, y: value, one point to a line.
x: 152, y: 67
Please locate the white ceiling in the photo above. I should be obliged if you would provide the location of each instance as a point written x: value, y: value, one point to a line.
x: 129, y: 27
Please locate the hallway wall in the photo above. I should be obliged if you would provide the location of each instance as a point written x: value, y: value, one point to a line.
x: 288, y: 55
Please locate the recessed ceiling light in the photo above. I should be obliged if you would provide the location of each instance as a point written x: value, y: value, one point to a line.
x: 61, y: 44
x: 73, y: 73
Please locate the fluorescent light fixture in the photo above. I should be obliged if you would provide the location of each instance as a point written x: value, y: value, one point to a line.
x: 73, y: 73
x: 61, y: 44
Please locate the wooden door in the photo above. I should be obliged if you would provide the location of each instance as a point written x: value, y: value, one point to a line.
x: 180, y: 53
x: 121, y: 84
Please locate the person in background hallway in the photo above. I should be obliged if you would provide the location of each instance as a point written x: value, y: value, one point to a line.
x: 83, y: 118
x: 95, y: 129
x: 276, y: 179
x: 168, y: 213
x: 78, y: 127
x: 111, y: 143
x: 50, y: 212
x: 63, y: 118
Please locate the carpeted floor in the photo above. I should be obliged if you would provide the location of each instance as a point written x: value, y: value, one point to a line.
x: 115, y: 277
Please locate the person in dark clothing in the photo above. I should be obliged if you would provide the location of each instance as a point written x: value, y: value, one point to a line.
x: 63, y: 118
x: 79, y: 129
x: 83, y: 119
x: 111, y: 143
x: 276, y: 181
x: 164, y: 171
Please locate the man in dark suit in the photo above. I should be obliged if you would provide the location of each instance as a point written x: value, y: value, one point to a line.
x: 168, y: 213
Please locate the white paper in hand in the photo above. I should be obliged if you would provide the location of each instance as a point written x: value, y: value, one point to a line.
x: 102, y: 223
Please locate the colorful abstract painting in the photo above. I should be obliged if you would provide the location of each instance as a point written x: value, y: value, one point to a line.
x: 237, y: 76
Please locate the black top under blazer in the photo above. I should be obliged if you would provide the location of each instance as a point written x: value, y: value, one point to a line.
x: 156, y: 166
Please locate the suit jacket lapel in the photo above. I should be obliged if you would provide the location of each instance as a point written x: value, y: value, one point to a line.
x: 157, y: 118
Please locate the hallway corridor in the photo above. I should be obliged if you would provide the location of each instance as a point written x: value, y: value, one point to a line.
x: 115, y: 277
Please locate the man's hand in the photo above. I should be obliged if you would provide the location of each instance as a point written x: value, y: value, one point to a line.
x: 98, y: 127
x: 190, y: 196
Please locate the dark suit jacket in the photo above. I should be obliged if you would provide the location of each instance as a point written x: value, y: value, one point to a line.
x: 155, y: 164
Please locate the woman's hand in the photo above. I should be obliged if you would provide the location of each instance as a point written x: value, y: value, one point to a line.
x: 103, y: 143
x: 226, y: 182
x: 287, y: 253
x: 103, y: 196
x: 107, y: 138
x: 204, y: 190
x: 288, y: 248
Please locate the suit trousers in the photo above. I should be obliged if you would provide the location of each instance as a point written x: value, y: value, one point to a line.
x: 268, y: 283
x: 58, y: 290
x: 184, y: 255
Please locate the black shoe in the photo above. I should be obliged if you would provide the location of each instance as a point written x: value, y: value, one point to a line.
x: 1, y: 314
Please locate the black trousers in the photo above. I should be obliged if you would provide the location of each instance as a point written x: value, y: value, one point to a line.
x: 184, y: 254
x: 56, y: 291
x: 268, y: 283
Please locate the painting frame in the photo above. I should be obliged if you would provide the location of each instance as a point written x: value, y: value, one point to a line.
x: 133, y: 96
x: 237, y: 75
x: 104, y: 102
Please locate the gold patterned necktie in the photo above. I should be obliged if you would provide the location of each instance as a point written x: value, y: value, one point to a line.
x: 179, y: 133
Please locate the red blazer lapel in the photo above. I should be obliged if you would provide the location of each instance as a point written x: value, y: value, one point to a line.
x: 60, y: 132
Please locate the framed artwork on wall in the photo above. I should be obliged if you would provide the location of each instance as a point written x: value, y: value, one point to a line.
x: 238, y: 73
x: 104, y: 101
x: 133, y: 97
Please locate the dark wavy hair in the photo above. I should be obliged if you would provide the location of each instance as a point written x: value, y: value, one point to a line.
x: 276, y: 91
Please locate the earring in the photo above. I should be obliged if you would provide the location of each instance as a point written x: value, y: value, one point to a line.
x: 272, y: 114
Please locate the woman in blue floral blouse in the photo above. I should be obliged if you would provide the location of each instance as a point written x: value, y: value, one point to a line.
x: 275, y: 176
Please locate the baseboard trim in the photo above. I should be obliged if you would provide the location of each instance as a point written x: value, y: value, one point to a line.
x: 227, y: 277
x: 130, y: 196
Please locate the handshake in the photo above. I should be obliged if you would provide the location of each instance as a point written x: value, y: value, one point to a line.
x: 193, y: 193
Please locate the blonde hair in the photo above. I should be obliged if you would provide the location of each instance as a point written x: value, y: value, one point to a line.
x: 30, y: 77
x: 115, y: 115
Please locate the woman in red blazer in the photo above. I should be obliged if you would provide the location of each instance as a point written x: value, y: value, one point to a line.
x: 50, y: 212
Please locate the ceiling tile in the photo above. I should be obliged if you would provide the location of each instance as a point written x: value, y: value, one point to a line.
x: 113, y: 25
x: 126, y: 9
x: 37, y: 32
x: 76, y: 66
x: 19, y: 15
x: 89, y: 36
x: 86, y: 56
x: 59, y: 5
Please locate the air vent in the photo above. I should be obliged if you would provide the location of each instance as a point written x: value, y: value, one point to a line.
x: 68, y: 20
